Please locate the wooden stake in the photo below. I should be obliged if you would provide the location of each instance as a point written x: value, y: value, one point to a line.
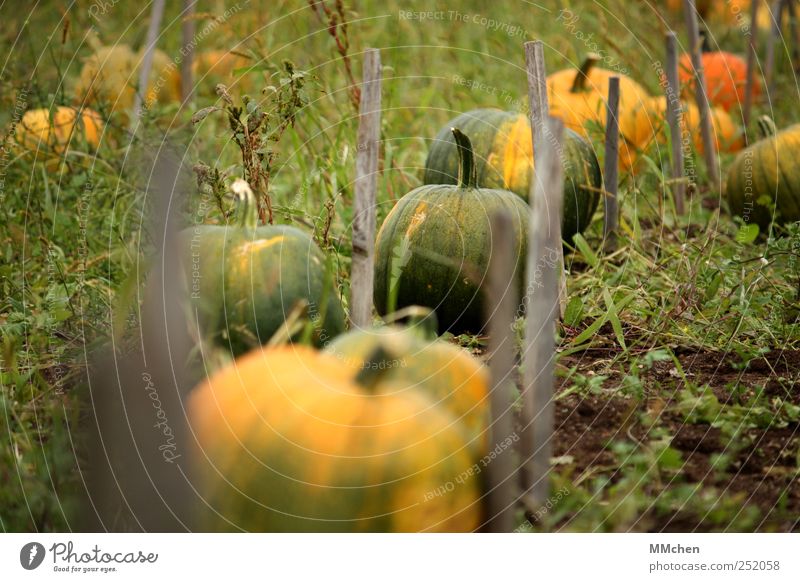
x: 751, y: 65
x: 611, y: 167
x: 502, y: 304
x: 540, y: 111
x: 774, y: 34
x: 791, y: 11
x: 140, y: 471
x: 156, y: 14
x: 369, y: 127
x: 703, y: 105
x: 188, y: 34
x: 675, y: 118
x: 544, y: 242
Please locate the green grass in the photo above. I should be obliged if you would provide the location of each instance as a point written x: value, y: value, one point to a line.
x: 72, y: 246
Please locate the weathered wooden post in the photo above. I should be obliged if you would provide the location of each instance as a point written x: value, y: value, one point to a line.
x: 611, y: 167
x: 675, y: 120
x: 751, y: 65
x: 366, y: 185
x: 501, y: 308
x: 774, y: 34
x: 542, y: 277
x: 540, y: 111
x: 188, y: 41
x: 703, y: 105
x: 139, y: 463
x: 156, y: 14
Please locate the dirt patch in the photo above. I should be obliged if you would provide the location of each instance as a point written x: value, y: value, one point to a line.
x: 759, y: 467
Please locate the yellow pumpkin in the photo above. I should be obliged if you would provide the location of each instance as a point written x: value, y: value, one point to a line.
x: 289, y: 439
x: 110, y: 75
x: 578, y: 97
x: 649, y: 125
x: 37, y: 131
x: 446, y: 373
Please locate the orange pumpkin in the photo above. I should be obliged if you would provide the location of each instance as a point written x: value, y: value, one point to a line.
x: 649, y: 125
x: 289, y: 439
x: 726, y: 77
x: 578, y: 97
x: 217, y: 64
x: 443, y: 371
x: 729, y: 11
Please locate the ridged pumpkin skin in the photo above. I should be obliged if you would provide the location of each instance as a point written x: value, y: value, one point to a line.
x: 726, y: 77
x: 36, y: 131
x: 445, y: 373
x: 649, y: 125
x: 435, y: 246
x: 766, y: 170
x: 110, y: 75
x: 244, y: 280
x: 503, y: 151
x: 288, y: 441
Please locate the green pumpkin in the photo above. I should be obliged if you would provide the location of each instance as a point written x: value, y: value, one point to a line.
x: 504, y: 159
x: 244, y: 279
x: 763, y: 177
x: 433, y: 248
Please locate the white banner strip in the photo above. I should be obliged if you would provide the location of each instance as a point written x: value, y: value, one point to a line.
x: 412, y: 557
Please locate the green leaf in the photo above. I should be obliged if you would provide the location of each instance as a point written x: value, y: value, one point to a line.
x: 573, y: 314
x: 598, y: 323
x: 583, y: 247
x: 747, y: 233
x: 613, y: 317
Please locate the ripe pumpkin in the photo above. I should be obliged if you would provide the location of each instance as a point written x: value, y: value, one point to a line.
x: 650, y: 125
x: 110, y: 75
x: 730, y: 12
x: 217, y: 64
x: 726, y: 78
x: 245, y: 279
x: 503, y: 152
x: 433, y: 248
x: 289, y: 440
x: 763, y: 176
x: 37, y: 131
x: 578, y: 97
x: 445, y: 373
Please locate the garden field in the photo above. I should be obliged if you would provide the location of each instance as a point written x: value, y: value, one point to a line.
x: 677, y: 370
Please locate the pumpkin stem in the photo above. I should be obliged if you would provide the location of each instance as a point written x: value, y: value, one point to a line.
x: 467, y: 170
x: 705, y: 47
x: 246, y: 215
x: 766, y: 127
x: 582, y: 75
x: 375, y: 368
